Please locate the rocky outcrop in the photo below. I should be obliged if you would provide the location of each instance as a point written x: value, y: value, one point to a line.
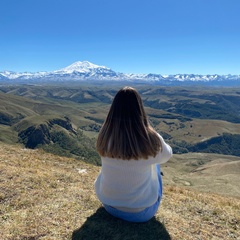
x: 40, y: 134
x: 35, y: 135
x: 65, y: 123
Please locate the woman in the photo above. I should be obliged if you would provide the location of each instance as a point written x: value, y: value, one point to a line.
x: 129, y: 184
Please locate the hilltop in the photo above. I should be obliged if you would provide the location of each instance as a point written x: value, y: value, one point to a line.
x: 44, y: 196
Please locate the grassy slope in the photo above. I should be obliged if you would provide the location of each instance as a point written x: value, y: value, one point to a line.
x: 43, y: 196
x: 204, y: 171
x: 198, y: 130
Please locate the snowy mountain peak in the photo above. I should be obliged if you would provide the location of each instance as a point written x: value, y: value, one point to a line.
x: 83, y: 67
x: 87, y: 71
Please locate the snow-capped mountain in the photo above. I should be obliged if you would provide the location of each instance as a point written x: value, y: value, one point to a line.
x: 83, y: 67
x: 86, y: 71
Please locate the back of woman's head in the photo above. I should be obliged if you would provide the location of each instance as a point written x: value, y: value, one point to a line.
x: 127, y: 106
x: 126, y: 133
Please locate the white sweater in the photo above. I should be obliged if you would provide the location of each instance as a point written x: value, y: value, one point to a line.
x: 130, y: 183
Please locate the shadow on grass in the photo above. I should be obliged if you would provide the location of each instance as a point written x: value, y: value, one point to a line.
x: 103, y: 226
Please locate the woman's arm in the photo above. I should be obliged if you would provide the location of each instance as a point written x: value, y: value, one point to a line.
x: 166, y: 152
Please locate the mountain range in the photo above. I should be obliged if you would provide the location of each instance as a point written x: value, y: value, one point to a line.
x: 86, y: 71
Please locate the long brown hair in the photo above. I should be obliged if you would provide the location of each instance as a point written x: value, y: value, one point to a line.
x: 126, y: 133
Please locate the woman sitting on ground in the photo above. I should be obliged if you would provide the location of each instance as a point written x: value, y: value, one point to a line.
x: 130, y: 184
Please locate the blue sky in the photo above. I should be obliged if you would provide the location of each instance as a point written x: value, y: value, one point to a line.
x: 138, y: 36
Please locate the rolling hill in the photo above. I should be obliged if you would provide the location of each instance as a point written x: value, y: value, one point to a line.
x: 192, y: 120
x: 48, y: 163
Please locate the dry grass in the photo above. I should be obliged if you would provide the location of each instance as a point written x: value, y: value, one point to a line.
x: 43, y: 196
x: 191, y: 214
x: 208, y: 172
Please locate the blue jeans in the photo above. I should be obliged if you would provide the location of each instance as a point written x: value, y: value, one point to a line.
x: 144, y: 215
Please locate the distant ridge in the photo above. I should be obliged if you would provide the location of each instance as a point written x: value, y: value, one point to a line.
x: 87, y: 71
